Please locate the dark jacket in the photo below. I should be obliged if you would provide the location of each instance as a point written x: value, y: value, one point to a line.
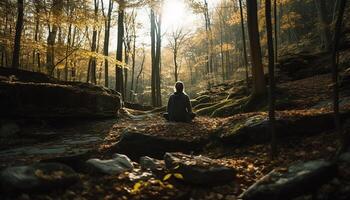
x: 179, y: 107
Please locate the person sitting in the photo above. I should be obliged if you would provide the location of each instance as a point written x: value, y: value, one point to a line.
x: 179, y: 106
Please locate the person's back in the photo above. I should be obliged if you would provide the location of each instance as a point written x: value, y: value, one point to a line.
x: 179, y: 106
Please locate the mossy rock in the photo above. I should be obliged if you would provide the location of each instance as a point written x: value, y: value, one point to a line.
x: 194, y: 102
x: 209, y: 110
x: 229, y: 109
x: 203, y: 99
x: 203, y: 105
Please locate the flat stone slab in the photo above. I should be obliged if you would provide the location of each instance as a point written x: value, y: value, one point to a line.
x: 137, y: 144
x: 39, y: 177
x: 291, y: 182
x: 199, y: 170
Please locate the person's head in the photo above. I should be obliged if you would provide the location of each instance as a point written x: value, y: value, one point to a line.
x: 179, y: 86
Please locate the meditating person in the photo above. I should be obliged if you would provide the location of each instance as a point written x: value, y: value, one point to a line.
x: 179, y: 106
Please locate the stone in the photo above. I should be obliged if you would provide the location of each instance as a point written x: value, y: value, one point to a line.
x: 136, y: 144
x: 52, y: 98
x: 150, y: 163
x: 138, y: 175
x: 120, y: 163
x: 39, y: 177
x: 9, y: 129
x: 255, y: 130
x: 203, y: 99
x: 74, y: 160
x: 199, y: 170
x: 297, y: 180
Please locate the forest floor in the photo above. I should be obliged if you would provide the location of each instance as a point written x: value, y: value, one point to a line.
x: 252, y: 162
x: 305, y: 115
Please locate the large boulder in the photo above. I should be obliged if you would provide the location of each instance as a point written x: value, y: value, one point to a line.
x: 120, y: 163
x: 39, y: 177
x: 199, y: 170
x: 298, y: 179
x: 137, y: 144
x: 255, y: 130
x: 53, y: 98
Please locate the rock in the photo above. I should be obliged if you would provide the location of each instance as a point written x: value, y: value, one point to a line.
x: 137, y: 106
x: 344, y: 166
x: 203, y: 99
x: 74, y: 160
x: 55, y: 99
x: 150, y: 163
x: 295, y: 181
x: 120, y: 163
x: 39, y: 177
x: 138, y: 175
x: 254, y: 130
x: 198, y: 170
x: 136, y: 144
x: 9, y: 130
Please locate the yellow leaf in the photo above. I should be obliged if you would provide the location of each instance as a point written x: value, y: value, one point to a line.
x: 170, y: 186
x: 178, y: 176
x: 167, y: 177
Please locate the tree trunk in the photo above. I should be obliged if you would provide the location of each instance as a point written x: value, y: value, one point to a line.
x: 275, y: 28
x: 119, y: 86
x: 133, y: 58
x: 271, y: 78
x: 106, y: 38
x: 153, y: 57
x: 138, y: 76
x: 323, y: 24
x: 158, y: 60
x: 50, y: 51
x: 335, y: 77
x: 245, y: 57
x: 259, y: 86
x: 19, y: 28
x: 175, y: 63
x: 67, y: 50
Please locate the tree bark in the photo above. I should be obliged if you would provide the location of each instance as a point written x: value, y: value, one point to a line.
x: 343, y: 138
x: 323, y: 24
x: 245, y: 57
x: 271, y: 78
x: 50, y: 50
x: 18, y: 34
x: 106, y: 38
x: 259, y: 86
x: 119, y: 85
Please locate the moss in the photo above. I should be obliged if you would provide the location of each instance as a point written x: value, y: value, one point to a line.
x: 229, y: 109
x: 209, y: 110
x: 203, y: 105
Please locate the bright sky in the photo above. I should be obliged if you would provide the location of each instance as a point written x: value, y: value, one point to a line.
x: 176, y: 14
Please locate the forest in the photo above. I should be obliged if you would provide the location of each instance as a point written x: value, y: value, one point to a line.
x: 175, y: 99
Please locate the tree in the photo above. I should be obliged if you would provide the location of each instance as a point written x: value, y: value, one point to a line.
x: 92, y: 62
x: 177, y: 39
x: 245, y: 57
x: 335, y: 58
x: 119, y: 85
x: 51, y: 38
x: 259, y: 86
x: 18, y: 34
x: 107, y: 23
x: 271, y: 78
x: 323, y: 24
x: 133, y: 24
x: 155, y: 55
